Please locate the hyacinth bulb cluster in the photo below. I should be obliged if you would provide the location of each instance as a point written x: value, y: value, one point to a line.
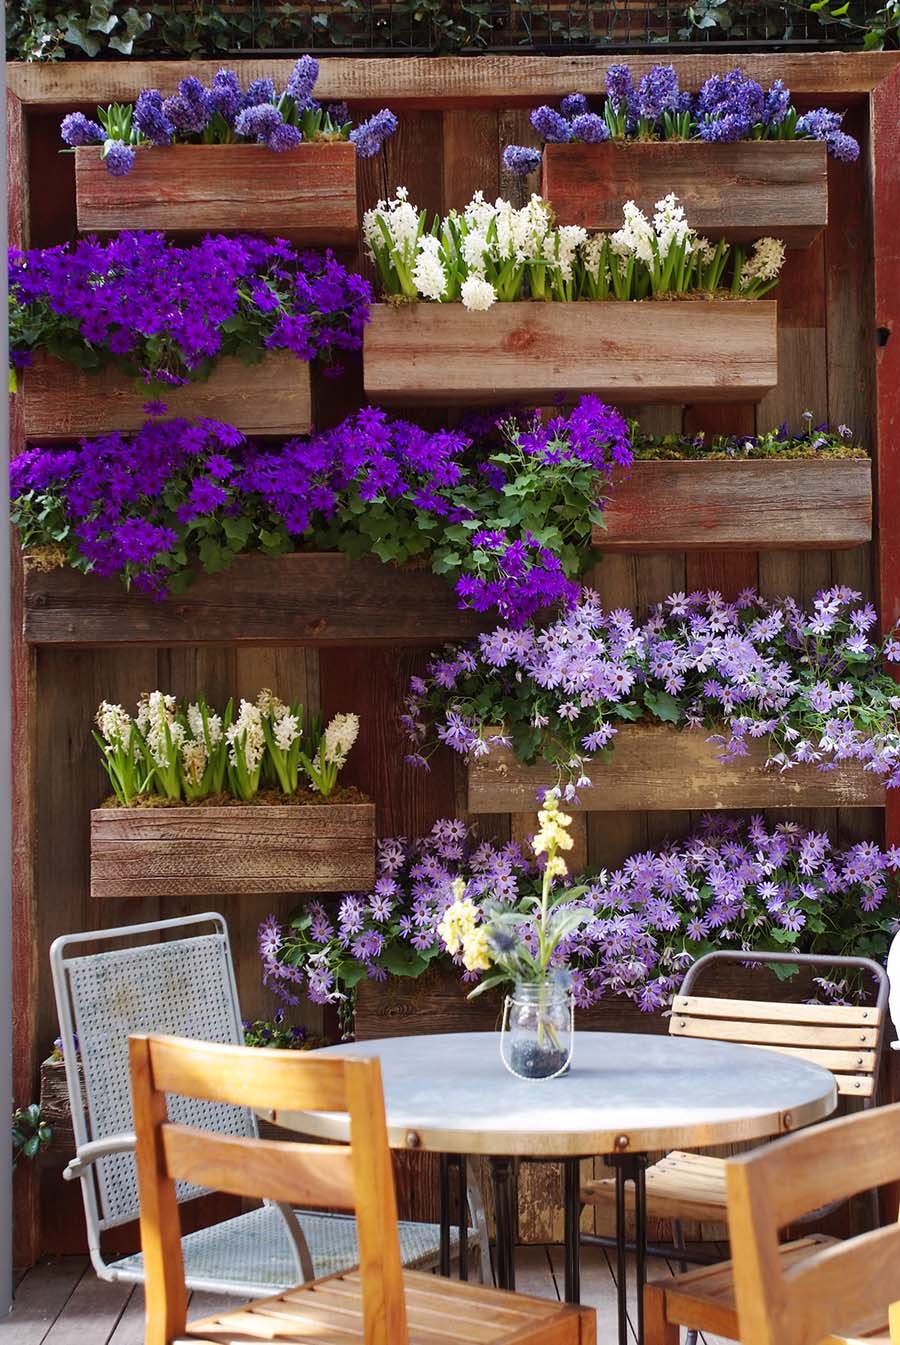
x: 741, y: 884
x: 492, y: 253
x: 224, y: 114
x: 184, y: 751
x: 728, y: 108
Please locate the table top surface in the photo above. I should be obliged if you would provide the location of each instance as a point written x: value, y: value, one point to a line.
x: 625, y: 1092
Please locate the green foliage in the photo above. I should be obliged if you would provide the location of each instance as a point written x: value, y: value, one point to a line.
x: 30, y: 1132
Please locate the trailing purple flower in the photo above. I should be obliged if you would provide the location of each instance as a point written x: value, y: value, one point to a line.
x: 369, y: 136
x: 76, y: 130
x: 521, y: 159
x: 552, y: 125
x: 119, y: 158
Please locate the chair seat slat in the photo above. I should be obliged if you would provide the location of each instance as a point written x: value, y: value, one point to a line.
x: 779, y: 1034
x: 767, y: 1011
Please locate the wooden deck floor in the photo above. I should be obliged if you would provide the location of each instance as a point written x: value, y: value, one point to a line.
x: 63, y: 1303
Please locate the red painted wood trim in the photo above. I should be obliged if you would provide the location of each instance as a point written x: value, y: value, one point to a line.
x: 885, y: 114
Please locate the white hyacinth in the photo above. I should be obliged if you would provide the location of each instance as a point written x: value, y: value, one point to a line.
x: 115, y: 725
x: 193, y: 760
x: 268, y: 704
x: 156, y: 715
x: 764, y: 263
x: 247, y: 727
x: 429, y: 276
x: 636, y: 237
x: 402, y: 220
x: 479, y: 213
x: 195, y: 724
x: 286, y: 731
x: 671, y: 226
x: 339, y: 737
x: 569, y: 238
x: 477, y: 295
x: 475, y: 250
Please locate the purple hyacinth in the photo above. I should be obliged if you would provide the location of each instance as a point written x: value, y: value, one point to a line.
x: 521, y: 159
x: 258, y: 123
x: 728, y: 106
x: 551, y: 124
x: 284, y: 138
x: 258, y: 91
x: 619, y: 86
x: 370, y: 135
x: 302, y: 80
x: 778, y: 101
x: 225, y: 95
x: 843, y: 147
x: 77, y: 130
x: 119, y: 158
x: 574, y: 105
x: 590, y: 129
x: 189, y: 110
x: 150, y: 118
x: 657, y: 93
x: 823, y: 124
x: 339, y: 113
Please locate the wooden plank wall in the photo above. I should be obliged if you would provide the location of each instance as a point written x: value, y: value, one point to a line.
x: 826, y: 355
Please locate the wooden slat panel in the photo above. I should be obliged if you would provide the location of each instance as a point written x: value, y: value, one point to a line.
x: 693, y: 351
x: 452, y: 81
x: 794, y: 503
x: 307, y: 195
x: 205, y: 852
x: 217, y: 1072
x: 699, y: 1006
x: 741, y: 191
x: 311, y: 599
x: 652, y: 766
x: 783, y: 1034
x: 864, y: 1061
x: 320, y: 1175
x: 63, y: 402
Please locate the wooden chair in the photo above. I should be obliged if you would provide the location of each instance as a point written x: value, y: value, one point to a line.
x: 816, y: 1291
x: 845, y: 1039
x: 377, y: 1304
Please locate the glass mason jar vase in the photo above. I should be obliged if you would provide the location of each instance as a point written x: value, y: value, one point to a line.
x: 538, y: 1032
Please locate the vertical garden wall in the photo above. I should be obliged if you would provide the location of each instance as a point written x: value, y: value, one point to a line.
x: 340, y: 635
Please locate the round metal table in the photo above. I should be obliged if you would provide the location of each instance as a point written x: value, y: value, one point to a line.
x: 625, y: 1095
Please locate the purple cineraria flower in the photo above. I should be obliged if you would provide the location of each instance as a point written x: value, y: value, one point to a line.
x: 302, y: 80
x: 521, y: 159
x: 590, y: 129
x: 369, y: 136
x: 574, y: 105
x: 77, y: 130
x: 150, y: 118
x: 552, y: 125
x: 119, y: 158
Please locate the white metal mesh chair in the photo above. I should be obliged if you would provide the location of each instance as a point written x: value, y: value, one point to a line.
x: 183, y: 986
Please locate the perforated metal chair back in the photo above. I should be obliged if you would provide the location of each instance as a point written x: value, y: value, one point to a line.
x: 183, y: 986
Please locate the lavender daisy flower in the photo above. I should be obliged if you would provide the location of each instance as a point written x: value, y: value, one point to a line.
x: 590, y: 129
x: 77, y: 130
x: 521, y: 159
x: 369, y: 136
x: 552, y: 125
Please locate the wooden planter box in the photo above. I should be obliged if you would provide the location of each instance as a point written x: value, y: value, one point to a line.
x: 761, y: 504
x: 655, y: 767
x: 55, y: 1108
x: 303, y: 599
x: 232, y: 851
x: 307, y: 195
x: 64, y: 402
x: 747, y: 190
x: 652, y: 351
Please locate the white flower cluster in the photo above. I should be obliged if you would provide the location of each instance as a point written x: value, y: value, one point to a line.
x: 286, y: 727
x: 115, y: 726
x: 764, y: 263
x: 339, y: 737
x: 246, y: 738
x: 160, y: 729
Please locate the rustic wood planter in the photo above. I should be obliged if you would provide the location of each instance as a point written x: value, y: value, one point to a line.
x: 232, y: 851
x: 763, y: 504
x: 307, y: 195
x: 64, y: 402
x: 743, y: 191
x: 679, y: 351
x: 314, y: 599
x: 655, y: 767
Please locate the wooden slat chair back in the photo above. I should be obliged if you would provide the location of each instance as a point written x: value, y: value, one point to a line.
x: 846, y: 1039
x: 356, y: 1177
x: 839, y: 1287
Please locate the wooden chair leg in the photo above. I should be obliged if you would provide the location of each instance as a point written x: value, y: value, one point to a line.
x: 657, y: 1329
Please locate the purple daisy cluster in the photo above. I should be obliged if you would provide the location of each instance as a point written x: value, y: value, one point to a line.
x: 739, y: 884
x: 166, y: 312
x: 810, y: 683
x: 324, y: 953
x: 174, y: 497
x: 728, y: 107
x: 226, y: 113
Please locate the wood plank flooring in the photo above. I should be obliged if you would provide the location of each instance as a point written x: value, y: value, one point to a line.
x: 63, y: 1303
